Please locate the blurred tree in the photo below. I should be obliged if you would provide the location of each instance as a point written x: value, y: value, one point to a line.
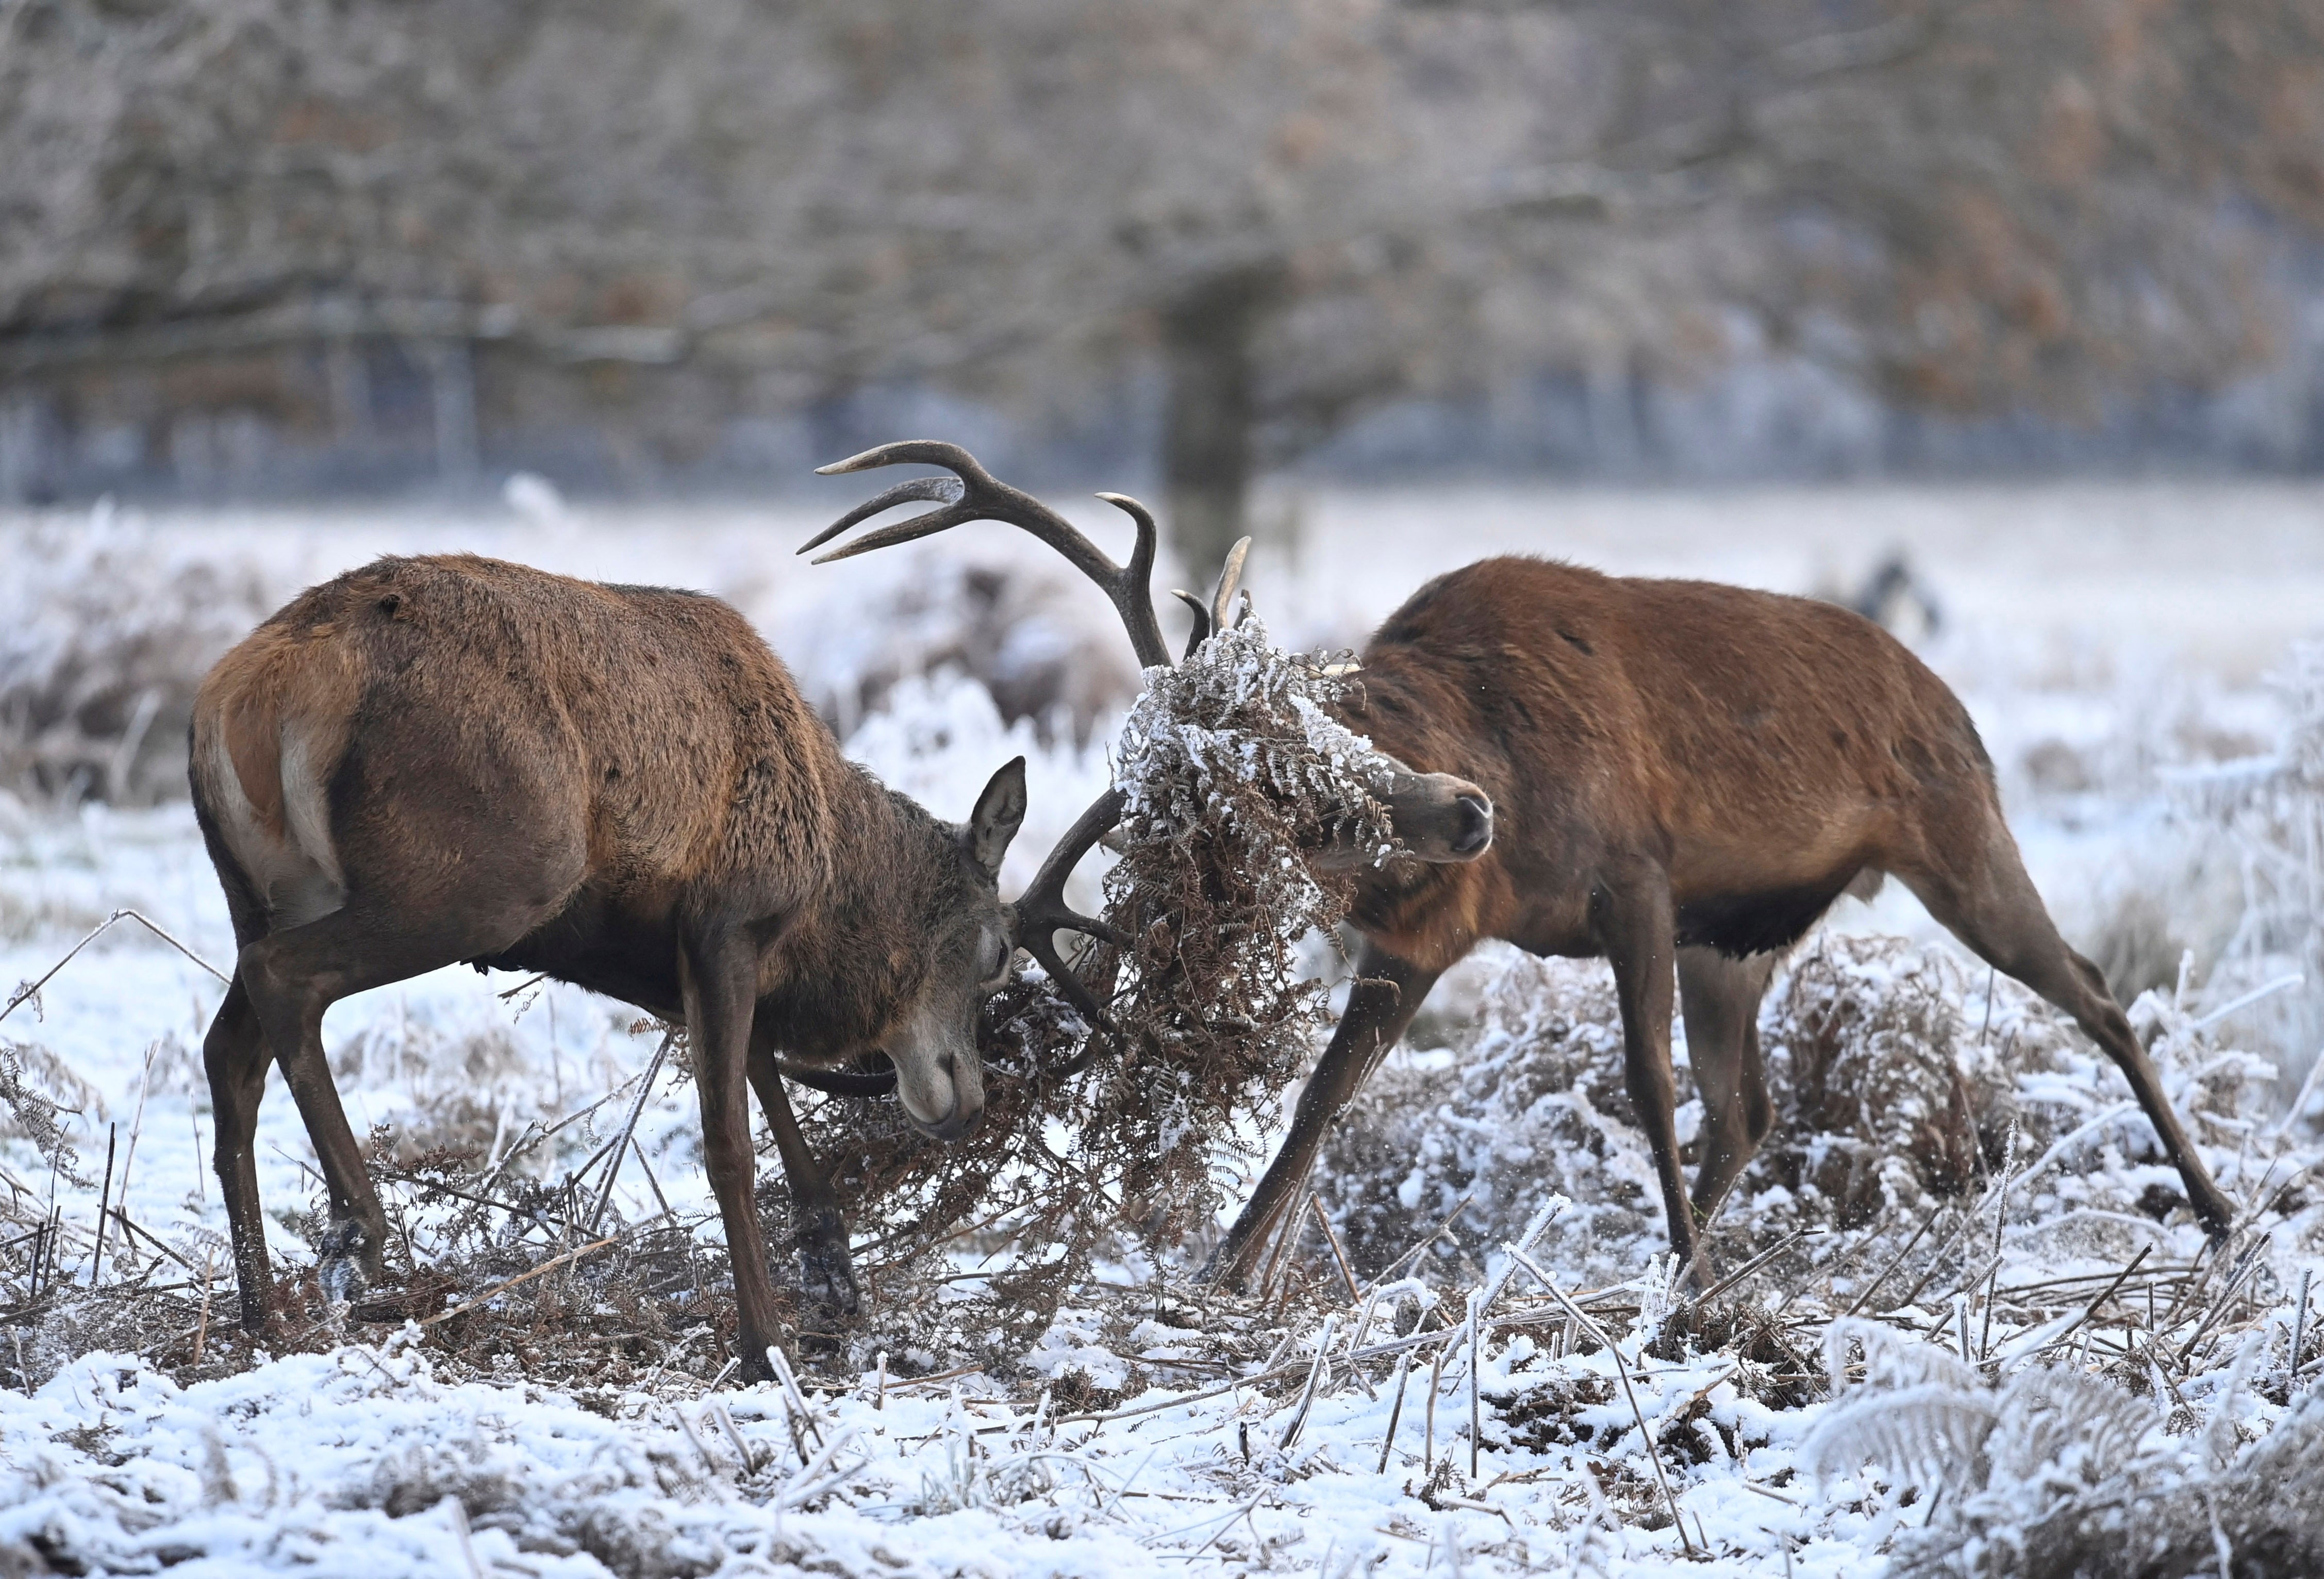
x: 493, y: 217
x: 2003, y: 200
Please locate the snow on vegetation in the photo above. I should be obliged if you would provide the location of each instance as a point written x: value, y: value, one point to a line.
x: 1969, y: 1327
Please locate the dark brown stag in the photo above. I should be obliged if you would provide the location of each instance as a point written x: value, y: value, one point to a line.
x: 1682, y: 777
x: 1685, y: 777
x: 430, y: 761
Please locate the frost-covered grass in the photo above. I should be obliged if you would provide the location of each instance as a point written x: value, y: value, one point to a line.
x: 2107, y: 641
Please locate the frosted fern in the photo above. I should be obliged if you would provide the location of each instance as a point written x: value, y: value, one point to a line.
x: 1233, y: 773
x: 2053, y: 1472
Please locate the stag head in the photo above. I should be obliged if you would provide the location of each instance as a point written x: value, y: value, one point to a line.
x: 939, y: 1075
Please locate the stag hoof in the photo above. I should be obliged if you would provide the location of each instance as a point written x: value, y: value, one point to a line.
x: 2216, y: 1214
x: 351, y: 1261
x: 827, y: 1268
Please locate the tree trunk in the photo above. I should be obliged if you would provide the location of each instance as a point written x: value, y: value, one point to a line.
x: 1206, y: 443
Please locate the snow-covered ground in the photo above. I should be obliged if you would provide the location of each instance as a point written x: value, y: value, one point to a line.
x: 2106, y: 638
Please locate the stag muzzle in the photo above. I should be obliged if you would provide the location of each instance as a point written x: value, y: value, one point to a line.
x: 1440, y: 817
x: 940, y: 1086
x: 953, y: 1126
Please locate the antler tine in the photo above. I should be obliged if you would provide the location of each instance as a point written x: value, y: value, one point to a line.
x: 1131, y: 590
x: 911, y: 452
x: 1229, y: 579
x: 1041, y: 911
x: 941, y: 490
x: 1214, y: 615
x: 1202, y: 627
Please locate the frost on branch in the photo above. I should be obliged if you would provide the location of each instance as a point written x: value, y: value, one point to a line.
x: 1235, y: 775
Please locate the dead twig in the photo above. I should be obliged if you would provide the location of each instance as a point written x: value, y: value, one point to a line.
x: 104, y: 1204
x: 202, y: 1325
x: 1355, y: 1294
x: 1756, y: 1262
x: 121, y: 1215
x: 1897, y: 1260
x: 1395, y: 1410
x: 613, y: 1169
x: 31, y: 988
x: 1307, y: 1393
x: 489, y: 1294
x: 2092, y: 1308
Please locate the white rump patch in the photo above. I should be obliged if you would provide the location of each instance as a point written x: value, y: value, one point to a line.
x: 299, y: 878
x: 306, y: 803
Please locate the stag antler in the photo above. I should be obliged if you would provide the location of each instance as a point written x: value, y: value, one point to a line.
x: 973, y: 493
x: 1218, y: 614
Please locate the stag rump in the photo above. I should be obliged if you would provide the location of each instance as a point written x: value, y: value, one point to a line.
x: 430, y: 761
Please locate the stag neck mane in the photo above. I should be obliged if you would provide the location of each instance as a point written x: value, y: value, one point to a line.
x: 833, y: 976
x: 1404, y: 705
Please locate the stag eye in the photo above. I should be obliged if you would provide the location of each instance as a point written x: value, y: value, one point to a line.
x: 994, y: 963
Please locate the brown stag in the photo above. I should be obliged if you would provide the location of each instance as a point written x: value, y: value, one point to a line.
x: 430, y: 761
x: 1682, y: 778
x: 438, y: 760
x: 1684, y: 775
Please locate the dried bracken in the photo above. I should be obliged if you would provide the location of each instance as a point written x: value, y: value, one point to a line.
x: 28, y: 1073
x: 1907, y: 1092
x: 1235, y: 775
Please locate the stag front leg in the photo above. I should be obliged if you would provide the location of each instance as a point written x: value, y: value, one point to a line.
x: 1387, y: 993
x: 1634, y: 923
x: 826, y: 1266
x: 718, y: 975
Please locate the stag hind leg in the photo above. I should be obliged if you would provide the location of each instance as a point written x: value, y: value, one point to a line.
x: 233, y: 1056
x: 1994, y: 908
x: 826, y: 1266
x: 1720, y: 996
x: 290, y: 978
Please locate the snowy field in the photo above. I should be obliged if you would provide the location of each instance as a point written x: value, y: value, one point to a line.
x: 2037, y: 1331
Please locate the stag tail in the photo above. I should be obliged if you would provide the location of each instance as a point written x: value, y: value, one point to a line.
x: 271, y: 724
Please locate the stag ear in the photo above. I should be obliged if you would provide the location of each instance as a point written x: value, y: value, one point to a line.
x: 999, y: 812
